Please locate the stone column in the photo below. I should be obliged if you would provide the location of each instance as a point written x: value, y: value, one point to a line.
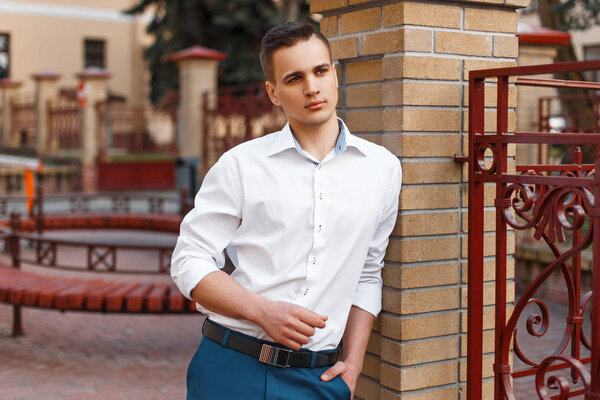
x: 8, y: 90
x: 96, y: 90
x: 197, y: 76
x: 403, y: 68
x: 46, y: 89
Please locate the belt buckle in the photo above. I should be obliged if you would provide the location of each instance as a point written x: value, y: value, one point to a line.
x: 270, y: 355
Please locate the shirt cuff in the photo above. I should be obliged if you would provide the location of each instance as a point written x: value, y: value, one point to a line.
x: 189, y: 274
x: 368, y: 298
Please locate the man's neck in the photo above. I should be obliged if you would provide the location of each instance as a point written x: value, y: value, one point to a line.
x: 317, y: 141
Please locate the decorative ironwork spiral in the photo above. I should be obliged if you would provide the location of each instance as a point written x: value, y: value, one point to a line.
x: 558, y: 382
x: 542, y: 319
x: 554, y: 212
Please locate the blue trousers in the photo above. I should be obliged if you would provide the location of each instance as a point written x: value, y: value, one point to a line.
x: 219, y: 373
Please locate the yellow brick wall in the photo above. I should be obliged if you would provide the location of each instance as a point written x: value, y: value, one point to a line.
x: 403, y: 68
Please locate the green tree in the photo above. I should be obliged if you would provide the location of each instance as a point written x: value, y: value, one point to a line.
x: 234, y: 27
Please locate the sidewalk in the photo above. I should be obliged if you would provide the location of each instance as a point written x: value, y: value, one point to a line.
x: 74, y: 355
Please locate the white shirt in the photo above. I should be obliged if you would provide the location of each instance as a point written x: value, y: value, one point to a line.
x: 300, y: 231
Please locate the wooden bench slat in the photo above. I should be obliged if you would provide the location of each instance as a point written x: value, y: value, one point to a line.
x: 95, y: 298
x: 7, y: 284
x: 72, y: 298
x: 47, y: 297
x: 134, y: 300
x: 156, y: 298
x: 115, y: 300
x: 176, y: 300
x: 31, y: 294
x: 15, y: 292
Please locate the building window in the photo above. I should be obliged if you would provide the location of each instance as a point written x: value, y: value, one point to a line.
x: 592, y: 53
x: 4, y: 55
x: 94, y: 53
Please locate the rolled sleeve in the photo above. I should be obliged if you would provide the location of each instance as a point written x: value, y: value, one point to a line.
x: 208, y: 228
x: 368, y: 292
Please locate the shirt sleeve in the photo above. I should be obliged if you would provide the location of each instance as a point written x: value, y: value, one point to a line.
x: 208, y: 228
x: 368, y: 292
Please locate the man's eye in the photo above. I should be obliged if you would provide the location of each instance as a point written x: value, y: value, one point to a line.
x: 321, y: 71
x: 294, y: 79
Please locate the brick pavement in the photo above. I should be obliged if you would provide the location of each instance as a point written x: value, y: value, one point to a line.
x: 77, y: 355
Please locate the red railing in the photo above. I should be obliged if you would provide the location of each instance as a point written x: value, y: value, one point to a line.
x: 134, y: 129
x: 587, y: 121
x: 24, y: 120
x: 241, y: 113
x: 64, y: 124
x: 546, y: 201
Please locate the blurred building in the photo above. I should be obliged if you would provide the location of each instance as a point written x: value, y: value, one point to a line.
x: 586, y: 43
x: 67, y: 36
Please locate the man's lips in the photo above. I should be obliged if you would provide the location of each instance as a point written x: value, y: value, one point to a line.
x: 315, y: 105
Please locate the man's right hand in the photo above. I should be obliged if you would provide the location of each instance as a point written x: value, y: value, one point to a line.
x: 289, y: 324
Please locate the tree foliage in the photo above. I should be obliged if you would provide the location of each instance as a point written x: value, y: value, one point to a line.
x: 578, y: 14
x: 234, y: 27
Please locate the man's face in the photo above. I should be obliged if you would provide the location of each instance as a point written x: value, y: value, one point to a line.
x: 305, y: 83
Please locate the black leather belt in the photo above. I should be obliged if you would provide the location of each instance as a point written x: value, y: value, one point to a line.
x: 267, y: 353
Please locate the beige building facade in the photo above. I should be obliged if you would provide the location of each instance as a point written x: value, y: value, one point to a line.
x: 66, y: 36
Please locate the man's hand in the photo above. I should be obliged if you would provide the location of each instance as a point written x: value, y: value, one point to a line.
x: 289, y: 324
x: 348, y: 373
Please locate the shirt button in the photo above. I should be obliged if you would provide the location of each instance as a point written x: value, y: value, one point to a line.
x: 314, y: 260
x: 319, y: 166
x: 305, y: 291
x: 320, y: 196
x: 320, y: 228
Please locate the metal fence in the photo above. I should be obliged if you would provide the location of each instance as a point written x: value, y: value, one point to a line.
x: 554, y: 204
x: 241, y: 113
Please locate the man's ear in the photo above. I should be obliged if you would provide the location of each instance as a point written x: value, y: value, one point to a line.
x: 272, y: 92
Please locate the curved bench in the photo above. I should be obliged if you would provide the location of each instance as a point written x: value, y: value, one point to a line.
x: 149, y: 222
x: 23, y: 288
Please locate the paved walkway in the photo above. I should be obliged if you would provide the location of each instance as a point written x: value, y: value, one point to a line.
x: 76, y: 355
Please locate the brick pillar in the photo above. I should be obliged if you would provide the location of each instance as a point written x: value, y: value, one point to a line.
x: 96, y: 90
x: 197, y: 75
x: 45, y: 89
x: 403, y: 68
x: 8, y: 90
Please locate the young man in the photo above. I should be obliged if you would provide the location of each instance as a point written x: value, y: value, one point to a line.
x: 305, y: 215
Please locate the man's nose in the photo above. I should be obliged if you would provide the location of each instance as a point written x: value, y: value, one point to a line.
x: 311, y: 88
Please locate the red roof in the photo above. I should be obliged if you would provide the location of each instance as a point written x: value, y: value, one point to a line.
x: 538, y: 35
x: 198, y: 52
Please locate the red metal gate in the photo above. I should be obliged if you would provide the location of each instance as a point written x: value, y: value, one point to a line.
x: 556, y: 204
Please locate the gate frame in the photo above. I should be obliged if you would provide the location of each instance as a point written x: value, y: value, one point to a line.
x: 479, y: 174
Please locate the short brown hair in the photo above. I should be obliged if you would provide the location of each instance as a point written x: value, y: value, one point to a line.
x: 285, y: 35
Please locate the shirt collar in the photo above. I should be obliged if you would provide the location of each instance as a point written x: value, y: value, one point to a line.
x: 285, y: 140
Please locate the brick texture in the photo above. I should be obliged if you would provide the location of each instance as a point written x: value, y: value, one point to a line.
x: 462, y: 43
x: 491, y: 20
x: 380, y: 43
x: 358, y: 21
